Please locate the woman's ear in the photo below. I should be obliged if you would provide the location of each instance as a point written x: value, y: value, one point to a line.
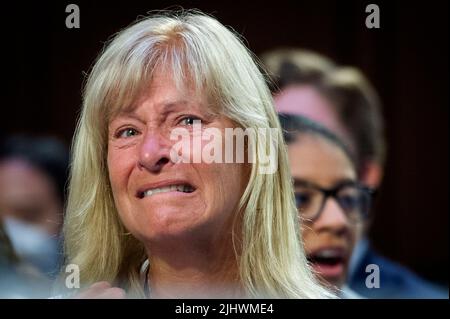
x: 372, y: 174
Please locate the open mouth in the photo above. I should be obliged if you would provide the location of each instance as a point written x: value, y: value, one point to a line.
x: 328, y: 262
x: 326, y: 257
x: 182, y: 188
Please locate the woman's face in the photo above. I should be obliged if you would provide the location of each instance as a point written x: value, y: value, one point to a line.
x: 330, y: 238
x: 29, y: 195
x: 160, y: 199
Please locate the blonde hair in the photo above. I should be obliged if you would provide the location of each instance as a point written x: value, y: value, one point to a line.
x: 272, y: 261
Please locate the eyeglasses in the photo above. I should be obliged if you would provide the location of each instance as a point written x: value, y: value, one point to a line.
x: 353, y: 198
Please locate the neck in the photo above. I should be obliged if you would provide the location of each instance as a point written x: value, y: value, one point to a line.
x: 194, y: 268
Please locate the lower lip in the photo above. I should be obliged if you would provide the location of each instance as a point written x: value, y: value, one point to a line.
x: 331, y: 271
x: 170, y: 193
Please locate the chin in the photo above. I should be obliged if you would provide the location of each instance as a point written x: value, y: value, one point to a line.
x: 170, y: 223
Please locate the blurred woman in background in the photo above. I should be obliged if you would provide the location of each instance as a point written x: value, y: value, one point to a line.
x: 332, y: 204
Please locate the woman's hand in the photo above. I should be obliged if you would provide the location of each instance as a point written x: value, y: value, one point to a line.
x: 101, y: 290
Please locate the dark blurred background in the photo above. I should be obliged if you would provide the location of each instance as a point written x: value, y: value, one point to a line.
x: 406, y: 59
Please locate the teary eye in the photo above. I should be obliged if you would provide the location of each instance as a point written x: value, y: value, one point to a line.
x: 128, y: 132
x: 189, y: 120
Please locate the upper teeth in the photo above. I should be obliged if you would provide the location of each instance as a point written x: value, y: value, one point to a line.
x: 173, y: 188
x: 328, y: 253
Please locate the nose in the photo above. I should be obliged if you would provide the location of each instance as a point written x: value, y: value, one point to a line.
x: 154, y: 153
x: 332, y: 219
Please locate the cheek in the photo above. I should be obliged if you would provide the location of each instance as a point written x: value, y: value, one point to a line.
x: 113, y: 170
x: 223, y: 184
x: 234, y: 179
x: 120, y: 164
x: 120, y: 168
x: 213, y: 184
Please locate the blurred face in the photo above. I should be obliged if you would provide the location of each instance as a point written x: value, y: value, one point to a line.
x: 330, y: 238
x: 160, y: 199
x: 305, y: 100
x: 29, y: 195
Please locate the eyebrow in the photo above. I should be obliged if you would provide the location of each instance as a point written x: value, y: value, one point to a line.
x: 172, y: 105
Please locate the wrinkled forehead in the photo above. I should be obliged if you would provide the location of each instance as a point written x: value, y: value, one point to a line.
x: 166, y: 89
